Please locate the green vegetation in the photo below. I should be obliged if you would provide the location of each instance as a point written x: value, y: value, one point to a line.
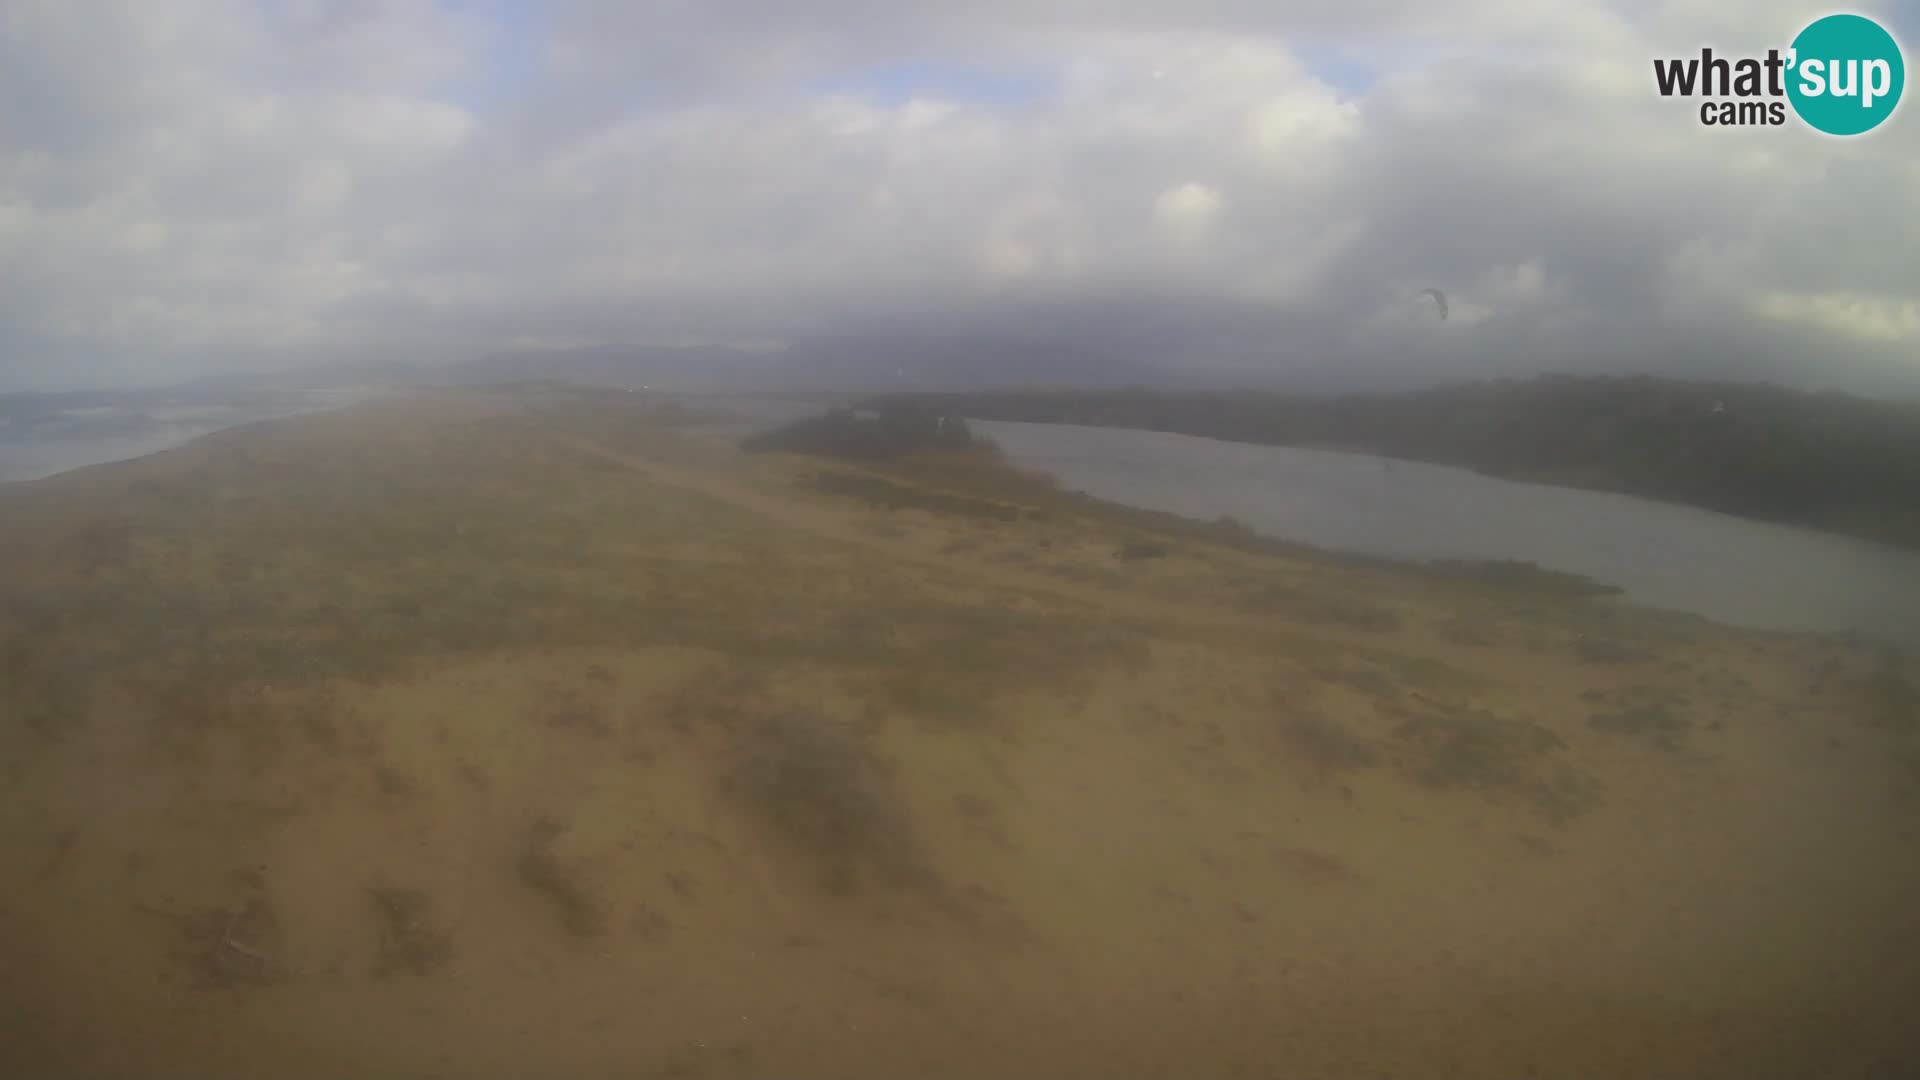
x: 1608, y: 651
x: 910, y: 444
x: 1893, y: 698
x: 876, y: 491
x: 894, y: 431
x: 531, y: 718
x: 1446, y: 746
x: 229, y: 946
x: 1658, y: 722
x: 813, y: 784
x: 409, y: 943
x: 1518, y: 575
x: 543, y: 872
x: 1321, y: 607
x: 1824, y: 460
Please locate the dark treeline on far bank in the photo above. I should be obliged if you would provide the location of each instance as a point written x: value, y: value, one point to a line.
x: 1824, y: 460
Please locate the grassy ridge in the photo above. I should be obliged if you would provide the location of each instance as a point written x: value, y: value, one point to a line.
x: 424, y: 739
x: 947, y: 467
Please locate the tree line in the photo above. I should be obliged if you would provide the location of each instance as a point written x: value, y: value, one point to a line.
x: 1825, y: 460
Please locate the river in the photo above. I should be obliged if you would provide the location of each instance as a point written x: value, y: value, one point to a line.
x: 1726, y: 568
x: 1730, y: 569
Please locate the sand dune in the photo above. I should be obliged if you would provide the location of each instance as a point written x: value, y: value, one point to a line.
x: 503, y: 734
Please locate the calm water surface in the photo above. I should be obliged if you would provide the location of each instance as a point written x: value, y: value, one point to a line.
x: 1726, y: 568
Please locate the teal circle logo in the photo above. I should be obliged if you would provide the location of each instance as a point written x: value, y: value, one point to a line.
x: 1846, y: 74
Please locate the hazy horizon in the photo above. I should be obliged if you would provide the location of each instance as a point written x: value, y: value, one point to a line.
x: 1217, y: 190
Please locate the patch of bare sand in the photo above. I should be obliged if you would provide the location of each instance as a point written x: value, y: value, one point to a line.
x: 748, y: 781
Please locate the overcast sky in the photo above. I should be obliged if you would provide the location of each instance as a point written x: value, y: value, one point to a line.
x: 197, y: 185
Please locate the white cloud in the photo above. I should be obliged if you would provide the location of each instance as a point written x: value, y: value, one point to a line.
x: 211, y: 182
x: 1515, y: 286
x: 145, y: 236
x: 1301, y: 127
x: 1847, y: 315
x: 322, y: 186
x: 1527, y: 290
x: 1188, y: 212
x: 1034, y: 234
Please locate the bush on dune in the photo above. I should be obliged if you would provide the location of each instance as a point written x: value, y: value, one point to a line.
x: 868, y: 435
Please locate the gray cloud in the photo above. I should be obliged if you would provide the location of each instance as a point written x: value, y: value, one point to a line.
x: 204, y: 185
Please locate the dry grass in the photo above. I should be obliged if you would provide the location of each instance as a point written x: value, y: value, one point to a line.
x: 789, y: 789
x: 812, y: 783
x: 1651, y: 718
x: 1503, y: 757
x: 410, y: 942
x: 887, y: 494
x: 1328, y: 743
x: 540, y: 870
x: 1893, y: 698
x: 1324, y: 608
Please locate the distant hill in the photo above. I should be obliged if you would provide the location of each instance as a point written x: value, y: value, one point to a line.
x: 831, y: 366
x: 1824, y: 460
x: 676, y: 368
x: 849, y: 363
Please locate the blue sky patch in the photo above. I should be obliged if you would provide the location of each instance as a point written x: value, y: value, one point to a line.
x: 1339, y: 68
x: 897, y: 82
x: 512, y: 59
